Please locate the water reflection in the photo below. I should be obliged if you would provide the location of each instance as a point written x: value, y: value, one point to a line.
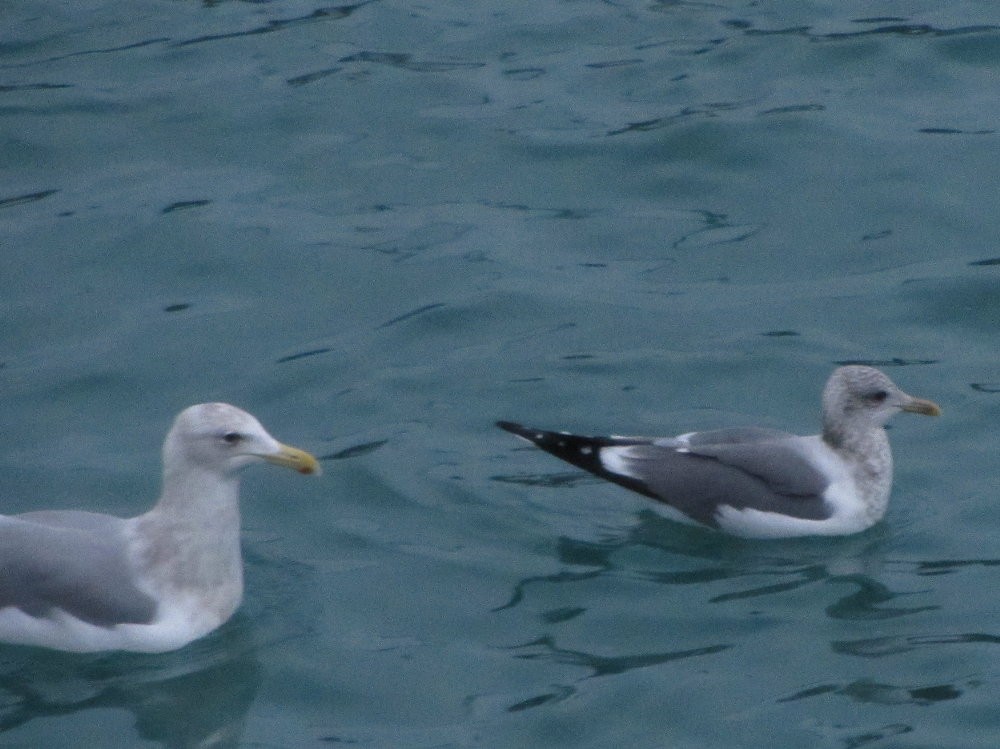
x: 878, y: 647
x: 545, y: 648
x: 948, y: 566
x: 865, y: 602
x: 873, y: 692
x: 853, y: 580
x: 197, y: 696
x: 748, y: 569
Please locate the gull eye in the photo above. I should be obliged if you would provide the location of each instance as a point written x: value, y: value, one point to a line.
x: 232, y: 438
x: 879, y: 396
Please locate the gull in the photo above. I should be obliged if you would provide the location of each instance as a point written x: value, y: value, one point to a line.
x: 761, y: 483
x: 85, y: 582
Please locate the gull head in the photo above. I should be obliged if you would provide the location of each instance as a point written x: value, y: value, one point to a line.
x: 223, y: 439
x: 865, y: 396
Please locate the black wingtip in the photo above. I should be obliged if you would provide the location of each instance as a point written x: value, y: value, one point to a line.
x: 512, y: 427
x: 582, y: 452
x: 539, y: 437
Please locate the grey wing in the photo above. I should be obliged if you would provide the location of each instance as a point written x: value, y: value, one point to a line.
x: 76, y: 562
x: 106, y: 525
x: 780, y: 465
x: 731, y: 436
x: 770, y: 476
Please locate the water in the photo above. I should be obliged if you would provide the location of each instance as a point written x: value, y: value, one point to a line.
x: 382, y: 226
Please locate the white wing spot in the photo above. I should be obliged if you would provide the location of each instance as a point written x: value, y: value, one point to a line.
x: 586, y: 450
x: 615, y: 460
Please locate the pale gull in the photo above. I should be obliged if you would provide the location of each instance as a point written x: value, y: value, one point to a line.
x: 762, y: 483
x: 83, y: 581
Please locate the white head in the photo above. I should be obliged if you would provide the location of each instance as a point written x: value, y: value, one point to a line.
x: 223, y: 439
x: 864, y: 396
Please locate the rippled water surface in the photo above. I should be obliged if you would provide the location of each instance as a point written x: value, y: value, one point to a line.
x: 382, y: 226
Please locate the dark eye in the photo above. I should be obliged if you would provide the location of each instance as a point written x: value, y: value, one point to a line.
x: 878, y: 396
x: 232, y: 438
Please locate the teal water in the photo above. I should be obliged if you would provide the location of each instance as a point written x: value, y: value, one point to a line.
x: 382, y: 226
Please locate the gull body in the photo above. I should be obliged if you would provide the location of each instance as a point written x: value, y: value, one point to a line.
x: 761, y: 483
x: 83, y: 581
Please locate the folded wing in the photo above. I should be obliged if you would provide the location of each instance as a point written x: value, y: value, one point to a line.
x: 699, y: 473
x: 75, y: 562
